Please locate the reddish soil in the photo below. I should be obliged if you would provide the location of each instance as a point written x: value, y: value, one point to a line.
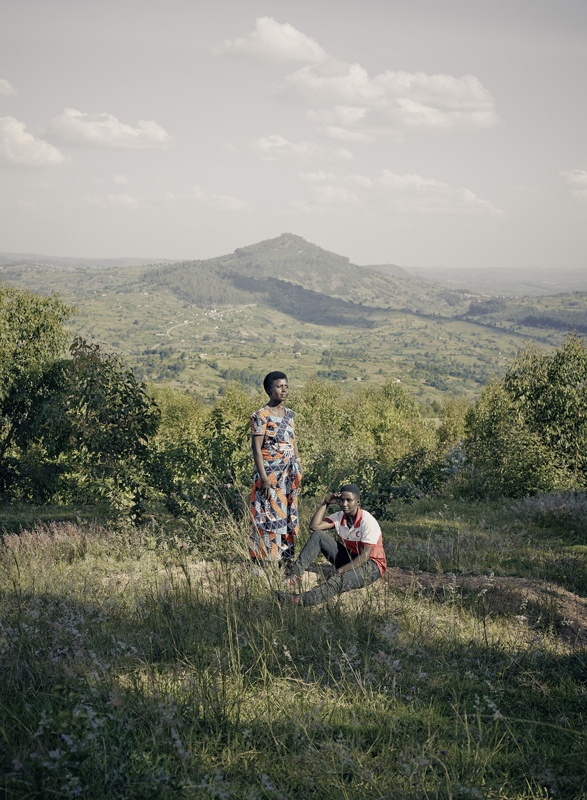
x: 541, y: 603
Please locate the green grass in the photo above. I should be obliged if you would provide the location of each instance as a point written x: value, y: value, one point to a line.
x: 136, y: 664
x: 16, y: 517
x: 537, y: 538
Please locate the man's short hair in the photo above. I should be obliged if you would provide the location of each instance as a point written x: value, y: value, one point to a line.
x: 270, y: 379
x: 352, y: 488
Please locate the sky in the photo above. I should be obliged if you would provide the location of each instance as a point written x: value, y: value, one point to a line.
x: 411, y: 132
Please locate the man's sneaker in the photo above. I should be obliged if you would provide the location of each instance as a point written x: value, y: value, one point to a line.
x: 293, y: 582
x: 284, y: 598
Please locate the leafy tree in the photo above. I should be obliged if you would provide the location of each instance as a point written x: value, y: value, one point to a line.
x: 32, y: 337
x: 357, y: 437
x: 528, y: 433
x: 183, y: 416
x: 88, y: 427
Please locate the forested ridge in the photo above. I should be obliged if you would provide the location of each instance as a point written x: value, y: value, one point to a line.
x: 193, y: 323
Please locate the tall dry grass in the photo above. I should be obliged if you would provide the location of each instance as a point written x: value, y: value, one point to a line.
x: 134, y: 665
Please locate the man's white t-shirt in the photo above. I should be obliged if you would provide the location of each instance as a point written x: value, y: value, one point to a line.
x: 365, y: 530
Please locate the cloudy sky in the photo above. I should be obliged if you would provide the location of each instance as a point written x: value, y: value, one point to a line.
x: 414, y: 132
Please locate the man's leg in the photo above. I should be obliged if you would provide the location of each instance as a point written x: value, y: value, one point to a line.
x: 319, y: 542
x: 351, y: 579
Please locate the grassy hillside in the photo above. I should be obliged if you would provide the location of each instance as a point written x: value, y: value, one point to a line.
x: 285, y: 303
x: 541, y: 316
x: 145, y: 664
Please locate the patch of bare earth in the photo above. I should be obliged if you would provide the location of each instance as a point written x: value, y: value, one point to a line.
x: 537, y: 601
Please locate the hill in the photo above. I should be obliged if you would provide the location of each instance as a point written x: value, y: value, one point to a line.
x: 390, y: 269
x: 287, y: 303
x: 20, y: 260
x: 264, y: 271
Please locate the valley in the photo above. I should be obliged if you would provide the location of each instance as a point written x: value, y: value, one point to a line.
x: 288, y: 304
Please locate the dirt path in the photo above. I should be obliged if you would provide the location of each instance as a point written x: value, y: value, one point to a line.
x: 533, y: 600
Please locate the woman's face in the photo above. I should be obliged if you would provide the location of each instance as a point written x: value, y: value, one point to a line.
x: 279, y: 390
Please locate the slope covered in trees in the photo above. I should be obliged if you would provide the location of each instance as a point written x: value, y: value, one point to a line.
x: 198, y: 324
x: 82, y: 427
x: 292, y: 260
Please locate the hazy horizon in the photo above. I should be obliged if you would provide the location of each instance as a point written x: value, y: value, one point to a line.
x: 137, y: 260
x: 426, y: 135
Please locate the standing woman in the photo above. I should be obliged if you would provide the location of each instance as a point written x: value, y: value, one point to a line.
x: 277, y: 478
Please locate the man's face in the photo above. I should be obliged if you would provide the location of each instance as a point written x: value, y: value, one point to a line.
x: 349, y: 503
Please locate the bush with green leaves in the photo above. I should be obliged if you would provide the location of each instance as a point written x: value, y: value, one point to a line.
x: 85, y: 435
x: 376, y: 437
x: 528, y: 432
x: 32, y: 338
x: 201, y: 459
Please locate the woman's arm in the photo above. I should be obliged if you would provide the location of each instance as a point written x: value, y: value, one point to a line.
x: 297, y: 455
x: 257, y: 443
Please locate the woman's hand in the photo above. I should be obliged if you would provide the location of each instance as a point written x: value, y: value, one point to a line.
x: 266, y: 487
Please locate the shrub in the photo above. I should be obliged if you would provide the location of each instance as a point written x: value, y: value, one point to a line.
x: 528, y: 433
x: 85, y: 437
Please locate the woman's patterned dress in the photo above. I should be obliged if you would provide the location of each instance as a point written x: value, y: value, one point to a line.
x: 274, y: 520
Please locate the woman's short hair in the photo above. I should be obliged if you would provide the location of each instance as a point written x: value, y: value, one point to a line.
x: 270, y: 379
x: 352, y: 488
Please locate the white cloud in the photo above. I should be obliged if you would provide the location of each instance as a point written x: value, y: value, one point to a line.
x: 317, y: 177
x: 277, y: 148
x: 225, y: 202
x: 360, y: 181
x: 274, y: 42
x: 120, y: 180
x: 577, y: 180
x: 400, y: 194
x: 334, y: 195
x: 22, y: 148
x: 6, y: 88
x: 415, y: 194
x: 349, y: 105
x: 121, y: 200
x: 73, y: 127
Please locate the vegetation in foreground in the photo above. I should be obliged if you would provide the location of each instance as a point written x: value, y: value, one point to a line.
x: 142, y: 664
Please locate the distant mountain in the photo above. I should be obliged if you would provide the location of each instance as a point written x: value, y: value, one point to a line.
x: 288, y: 273
x: 60, y: 262
x: 390, y: 269
x: 286, y: 303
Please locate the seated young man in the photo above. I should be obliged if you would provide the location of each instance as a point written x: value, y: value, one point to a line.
x: 356, y: 553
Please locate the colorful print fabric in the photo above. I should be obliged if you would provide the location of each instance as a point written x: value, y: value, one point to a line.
x: 274, y: 520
